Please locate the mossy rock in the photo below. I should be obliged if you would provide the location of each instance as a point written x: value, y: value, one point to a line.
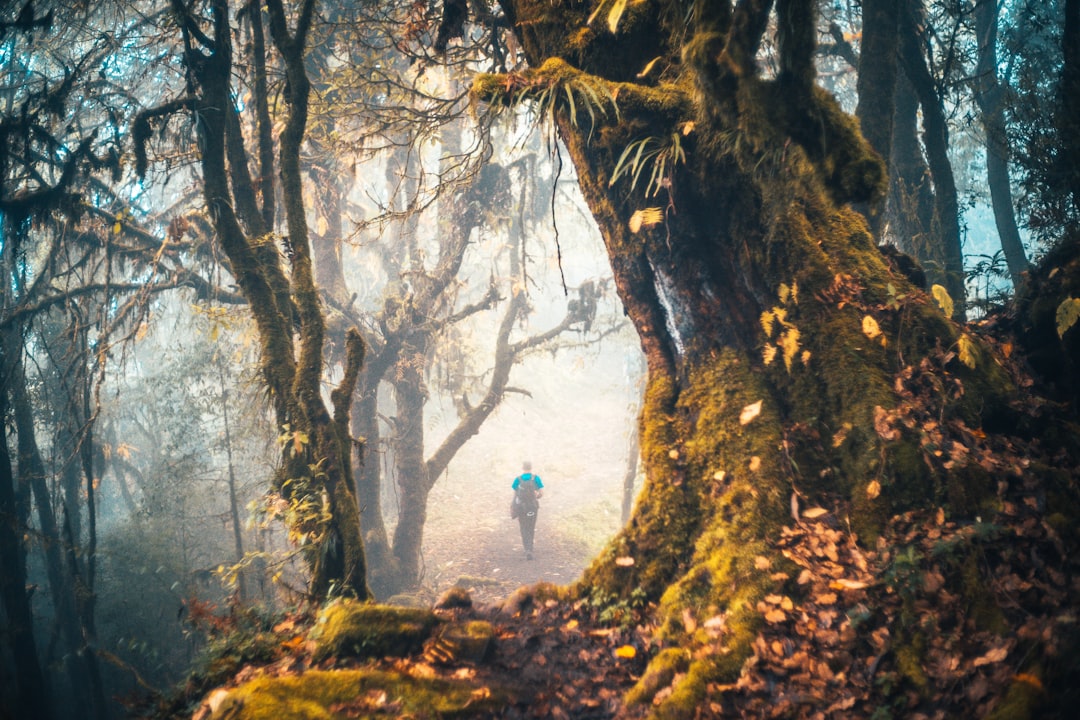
x: 464, y: 642
x: 354, y: 629
x: 323, y: 695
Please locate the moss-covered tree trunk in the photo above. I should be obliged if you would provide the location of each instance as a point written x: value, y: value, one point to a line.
x: 316, y: 474
x: 772, y: 328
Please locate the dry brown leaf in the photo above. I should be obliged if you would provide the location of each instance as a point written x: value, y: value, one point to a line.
x: 762, y: 563
x: 750, y: 412
x: 845, y: 584
x: 882, y: 424
x: 994, y: 656
x: 624, y: 561
x: 814, y: 512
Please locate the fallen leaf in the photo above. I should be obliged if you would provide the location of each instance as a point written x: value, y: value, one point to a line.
x: 755, y: 463
x: 994, y: 656
x: 845, y: 584
x: 873, y: 489
x: 814, y: 512
x: 762, y: 563
x: 750, y: 412
x: 882, y: 425
x: 216, y: 699
x: 624, y: 561
x: 776, y: 615
x: 943, y: 300
x: 625, y: 651
x: 870, y: 327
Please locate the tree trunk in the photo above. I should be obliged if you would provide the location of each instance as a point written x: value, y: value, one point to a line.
x: 28, y: 697
x: 876, y: 86
x: 991, y: 98
x: 942, y: 255
x: 910, y: 208
x: 317, y: 469
x: 761, y: 303
x: 72, y: 597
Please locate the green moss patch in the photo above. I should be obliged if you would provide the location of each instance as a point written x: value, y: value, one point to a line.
x: 319, y: 695
x: 353, y: 629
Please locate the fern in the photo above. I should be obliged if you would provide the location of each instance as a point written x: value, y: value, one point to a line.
x: 661, y: 156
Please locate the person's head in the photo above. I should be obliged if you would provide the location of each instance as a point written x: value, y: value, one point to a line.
x: 526, y: 466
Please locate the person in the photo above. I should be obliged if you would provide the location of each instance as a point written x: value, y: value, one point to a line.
x: 527, y: 489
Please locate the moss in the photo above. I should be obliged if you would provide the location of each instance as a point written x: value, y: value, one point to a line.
x: 983, y: 609
x: 469, y: 641
x: 661, y: 671
x: 1022, y: 700
x: 354, y: 629
x: 687, y: 695
x: 316, y: 695
x: 909, y: 653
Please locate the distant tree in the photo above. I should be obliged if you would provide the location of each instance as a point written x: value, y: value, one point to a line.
x: 382, y: 99
x: 991, y: 97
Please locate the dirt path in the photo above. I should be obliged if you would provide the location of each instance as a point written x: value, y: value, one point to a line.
x: 478, y: 546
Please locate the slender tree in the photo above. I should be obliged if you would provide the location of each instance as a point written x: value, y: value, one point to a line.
x: 991, y: 96
x: 316, y: 474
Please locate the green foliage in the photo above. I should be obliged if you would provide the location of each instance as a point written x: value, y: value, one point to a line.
x: 904, y: 574
x: 240, y: 636
x: 554, y: 86
x: 661, y: 154
x: 611, y: 609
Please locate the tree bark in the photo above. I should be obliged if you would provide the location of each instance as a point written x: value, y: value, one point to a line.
x: 910, y: 206
x: 29, y: 697
x: 942, y: 256
x: 317, y: 469
x: 990, y: 96
x: 876, y: 87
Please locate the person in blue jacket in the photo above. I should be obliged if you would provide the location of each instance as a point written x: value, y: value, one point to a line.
x: 527, y: 489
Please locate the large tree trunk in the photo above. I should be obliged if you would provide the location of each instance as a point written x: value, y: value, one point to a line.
x: 763, y: 307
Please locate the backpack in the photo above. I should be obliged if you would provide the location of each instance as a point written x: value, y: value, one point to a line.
x: 525, y: 499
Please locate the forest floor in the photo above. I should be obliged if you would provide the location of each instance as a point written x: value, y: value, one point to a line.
x: 939, y: 617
